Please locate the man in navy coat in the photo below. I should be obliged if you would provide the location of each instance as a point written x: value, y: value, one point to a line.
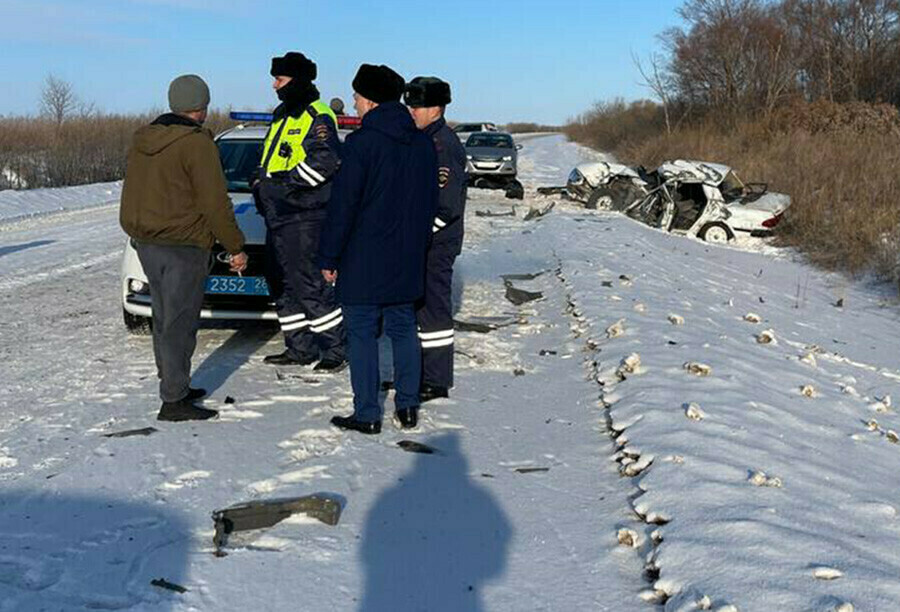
x: 373, y: 244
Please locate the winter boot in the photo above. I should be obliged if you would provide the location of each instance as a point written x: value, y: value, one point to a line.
x: 430, y: 392
x: 286, y: 359
x: 184, y: 410
x: 408, y: 417
x: 350, y: 423
x: 195, y: 394
x: 329, y: 365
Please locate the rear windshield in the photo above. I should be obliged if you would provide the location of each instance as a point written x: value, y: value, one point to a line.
x: 496, y: 141
x: 240, y: 159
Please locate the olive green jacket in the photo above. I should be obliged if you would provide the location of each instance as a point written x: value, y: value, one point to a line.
x: 175, y: 191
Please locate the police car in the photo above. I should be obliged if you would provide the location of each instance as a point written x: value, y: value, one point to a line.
x: 228, y: 295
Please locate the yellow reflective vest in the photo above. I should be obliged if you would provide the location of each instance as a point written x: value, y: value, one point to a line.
x: 283, y: 149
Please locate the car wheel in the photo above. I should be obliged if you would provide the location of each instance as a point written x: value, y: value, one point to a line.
x: 137, y: 325
x: 716, y: 233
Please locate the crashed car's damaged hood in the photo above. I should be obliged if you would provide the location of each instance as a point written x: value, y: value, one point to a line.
x: 596, y: 173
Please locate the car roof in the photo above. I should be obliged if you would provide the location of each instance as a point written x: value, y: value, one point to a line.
x: 244, y: 132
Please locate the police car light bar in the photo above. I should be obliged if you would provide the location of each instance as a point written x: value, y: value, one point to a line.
x: 343, y: 121
x: 247, y: 116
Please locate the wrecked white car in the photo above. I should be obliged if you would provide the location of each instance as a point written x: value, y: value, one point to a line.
x: 695, y: 198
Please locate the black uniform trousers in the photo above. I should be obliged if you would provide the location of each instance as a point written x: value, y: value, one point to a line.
x: 307, y: 311
x: 435, y: 316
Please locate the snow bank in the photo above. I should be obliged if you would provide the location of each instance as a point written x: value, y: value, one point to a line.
x: 15, y: 204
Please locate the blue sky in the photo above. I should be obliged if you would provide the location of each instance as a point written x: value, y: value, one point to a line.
x: 506, y: 60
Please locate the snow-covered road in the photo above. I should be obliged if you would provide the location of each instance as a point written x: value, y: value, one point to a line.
x: 757, y: 496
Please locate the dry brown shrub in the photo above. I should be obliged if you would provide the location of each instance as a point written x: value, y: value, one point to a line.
x: 37, y: 152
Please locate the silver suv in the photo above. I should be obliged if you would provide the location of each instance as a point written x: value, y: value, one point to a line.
x: 492, y: 162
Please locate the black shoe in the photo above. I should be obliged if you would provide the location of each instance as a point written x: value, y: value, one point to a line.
x: 330, y: 365
x: 352, y: 424
x: 408, y: 417
x: 184, y: 410
x: 387, y: 385
x: 430, y: 392
x: 194, y: 394
x: 287, y: 359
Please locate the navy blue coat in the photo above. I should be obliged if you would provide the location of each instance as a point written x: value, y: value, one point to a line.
x: 452, y: 181
x: 383, y: 203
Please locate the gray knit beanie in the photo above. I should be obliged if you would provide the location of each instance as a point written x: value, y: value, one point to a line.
x: 188, y: 93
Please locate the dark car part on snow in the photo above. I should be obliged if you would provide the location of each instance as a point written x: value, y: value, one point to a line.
x: 266, y: 513
x: 520, y: 296
x: 522, y: 277
x: 515, y: 190
x: 169, y: 586
x: 537, y: 213
x: 478, y: 328
x: 411, y: 446
x: 143, y: 431
x: 490, y: 213
x: 532, y: 470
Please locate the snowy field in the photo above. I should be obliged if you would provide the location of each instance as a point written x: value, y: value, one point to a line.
x: 670, y: 426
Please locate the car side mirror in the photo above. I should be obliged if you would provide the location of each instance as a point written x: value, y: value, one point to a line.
x: 518, y: 147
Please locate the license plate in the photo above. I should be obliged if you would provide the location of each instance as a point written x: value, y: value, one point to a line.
x: 237, y: 285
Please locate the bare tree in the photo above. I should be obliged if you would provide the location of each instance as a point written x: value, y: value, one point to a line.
x: 58, y: 99
x: 656, y: 79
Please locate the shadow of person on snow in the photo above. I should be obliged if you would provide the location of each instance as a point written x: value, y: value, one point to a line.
x: 66, y: 551
x: 432, y: 540
x: 229, y: 356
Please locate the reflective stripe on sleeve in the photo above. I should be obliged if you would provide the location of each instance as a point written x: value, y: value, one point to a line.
x: 311, y: 171
x: 305, y: 176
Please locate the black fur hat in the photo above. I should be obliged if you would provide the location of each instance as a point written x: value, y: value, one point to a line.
x: 378, y: 83
x: 294, y: 65
x: 427, y: 91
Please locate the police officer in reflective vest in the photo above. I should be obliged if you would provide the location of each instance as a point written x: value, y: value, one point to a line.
x: 299, y: 158
x: 427, y: 98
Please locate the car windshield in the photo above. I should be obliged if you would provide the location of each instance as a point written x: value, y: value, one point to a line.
x: 493, y: 141
x: 240, y: 158
x: 468, y: 127
x: 732, y: 187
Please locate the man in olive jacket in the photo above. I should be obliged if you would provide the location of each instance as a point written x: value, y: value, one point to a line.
x: 175, y: 206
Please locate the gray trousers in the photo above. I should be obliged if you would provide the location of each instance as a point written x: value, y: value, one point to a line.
x: 177, y: 276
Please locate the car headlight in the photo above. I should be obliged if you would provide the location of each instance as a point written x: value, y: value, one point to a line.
x: 507, y: 158
x: 575, y: 177
x: 137, y: 286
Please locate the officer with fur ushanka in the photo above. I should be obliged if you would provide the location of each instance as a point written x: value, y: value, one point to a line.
x: 427, y: 99
x: 299, y: 160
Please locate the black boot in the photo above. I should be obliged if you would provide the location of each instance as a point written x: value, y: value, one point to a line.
x: 408, y: 417
x: 286, y: 359
x: 195, y: 394
x: 184, y: 410
x: 350, y: 423
x: 330, y: 365
x: 430, y: 392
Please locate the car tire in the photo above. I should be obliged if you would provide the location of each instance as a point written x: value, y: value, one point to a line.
x: 614, y: 196
x: 716, y: 233
x: 136, y: 324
